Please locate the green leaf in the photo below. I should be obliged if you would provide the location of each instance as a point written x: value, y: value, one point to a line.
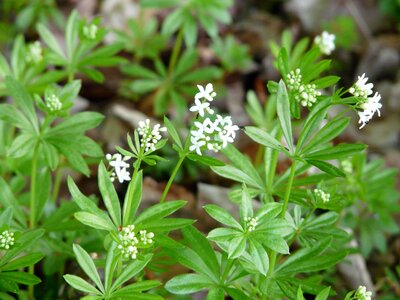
x: 23, y: 261
x: 50, y: 41
x: 133, y: 197
x: 259, y: 257
x: 11, y: 115
x: 216, y: 294
x: 131, y: 270
x: 223, y: 234
x: 20, y: 277
x: 236, y: 175
x: 276, y: 243
x: 187, y: 284
x: 23, y: 100
x: 22, y: 145
x: 77, y: 123
x: 25, y: 241
x: 166, y: 225
x: 71, y: 34
x: 222, y: 216
x: 312, y: 123
x: 264, y: 138
x: 283, y: 111
x: 109, y: 195
x: 324, y: 294
x: 87, y: 265
x: 331, y: 130
x: 6, y: 217
x: 246, y: 207
x: 7, y: 199
x: 325, y: 82
x: 42, y: 192
x: 96, y: 221
x: 81, y: 285
x: 50, y: 154
x: 205, y: 160
x: 236, y: 247
x: 81, y: 200
x: 132, y: 290
x: 159, y: 211
x: 339, y: 151
x: 326, y: 167
x: 172, y: 132
x: 202, y: 247
x: 283, y: 62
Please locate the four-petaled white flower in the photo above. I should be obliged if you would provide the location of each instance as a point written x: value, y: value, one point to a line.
x: 325, y: 42
x: 200, y: 107
x: 207, y: 93
x: 120, y: 167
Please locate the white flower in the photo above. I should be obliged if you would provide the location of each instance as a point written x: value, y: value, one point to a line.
x: 362, y: 293
x: 35, y: 53
x: 361, y: 88
x: 196, y: 144
x: 200, y: 107
x: 320, y: 194
x: 120, y: 166
x: 90, y: 31
x: 325, y: 42
x: 145, y: 237
x: 150, y: 136
x: 53, y: 103
x: 251, y: 223
x: 369, y: 107
x: 6, y: 240
x: 207, y: 93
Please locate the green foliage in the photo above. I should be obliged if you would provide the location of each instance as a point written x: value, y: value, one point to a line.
x: 166, y: 85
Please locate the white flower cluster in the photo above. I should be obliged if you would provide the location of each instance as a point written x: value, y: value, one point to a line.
x: 150, y: 137
x: 362, y: 293
x: 325, y: 42
x: 305, y: 94
x: 251, y: 223
x: 320, y: 194
x: 90, y: 31
x: 347, y: 166
x: 369, y: 105
x: 146, y: 237
x: 208, y: 134
x: 129, y: 243
x: 53, y: 103
x: 120, y: 167
x: 35, y: 53
x: 6, y: 239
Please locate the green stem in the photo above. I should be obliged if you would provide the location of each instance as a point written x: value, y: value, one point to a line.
x: 273, y: 254
x: 32, y: 202
x: 171, y: 179
x: 57, y: 184
x: 32, y: 212
x: 288, y: 189
x: 175, y: 51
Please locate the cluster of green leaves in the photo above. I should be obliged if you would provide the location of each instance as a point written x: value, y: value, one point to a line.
x: 166, y: 85
x: 15, y: 259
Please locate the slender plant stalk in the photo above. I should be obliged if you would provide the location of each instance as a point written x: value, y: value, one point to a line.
x: 273, y: 254
x: 32, y: 212
x: 171, y: 179
x: 57, y: 184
